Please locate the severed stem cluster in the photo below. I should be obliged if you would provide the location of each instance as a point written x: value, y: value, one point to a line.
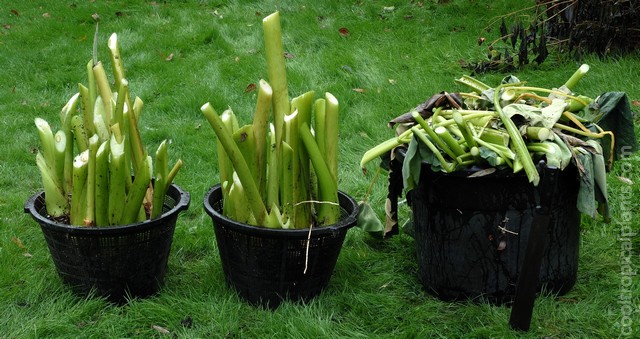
x: 283, y: 167
x: 95, y: 169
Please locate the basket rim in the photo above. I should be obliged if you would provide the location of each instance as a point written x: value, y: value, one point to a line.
x: 182, y: 198
x: 342, y: 226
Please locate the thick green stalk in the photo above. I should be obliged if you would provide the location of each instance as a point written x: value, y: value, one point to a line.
x: 55, y: 198
x: 87, y: 109
x: 138, y: 153
x: 102, y: 185
x: 60, y: 153
x: 385, y: 147
x: 319, y: 113
x: 123, y: 91
x: 244, y: 138
x: 331, y: 129
x: 288, y: 183
x: 90, y: 214
x: 464, y: 129
x: 47, y: 141
x: 137, y: 108
x: 474, y: 84
x: 291, y: 184
x: 92, y: 88
x: 273, y: 188
x: 495, y: 136
x: 577, y: 76
x: 225, y: 167
x: 448, y: 167
x: 502, y: 151
x: 116, y: 59
x: 277, y: 74
x: 443, y: 145
x: 99, y: 122
x: 518, y: 143
x: 228, y: 206
x: 538, y: 133
x: 105, y: 91
x: 117, y: 177
x: 79, y: 133
x: 66, y: 114
x: 303, y: 104
x: 161, y: 174
x: 137, y: 193
x: 236, y: 202
x: 244, y: 173
x: 448, y: 139
x: 260, y: 129
x: 329, y: 208
x: 78, y: 197
x: 68, y: 110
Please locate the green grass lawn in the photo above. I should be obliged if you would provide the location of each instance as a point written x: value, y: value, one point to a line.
x: 181, y: 54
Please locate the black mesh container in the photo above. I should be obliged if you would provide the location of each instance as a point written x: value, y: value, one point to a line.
x: 266, y: 266
x: 471, y: 233
x: 118, y: 262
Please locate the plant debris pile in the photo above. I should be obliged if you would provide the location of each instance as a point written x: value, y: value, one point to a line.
x: 511, y: 127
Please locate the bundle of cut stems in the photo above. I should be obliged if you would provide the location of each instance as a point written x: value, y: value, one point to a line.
x: 97, y: 158
x: 282, y: 168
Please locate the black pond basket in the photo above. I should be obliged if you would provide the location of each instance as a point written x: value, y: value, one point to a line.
x: 266, y: 266
x: 471, y: 233
x: 117, y: 263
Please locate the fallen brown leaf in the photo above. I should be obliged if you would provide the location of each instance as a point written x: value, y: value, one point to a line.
x: 359, y: 90
x: 250, y: 88
x: 14, y: 12
x: 46, y: 15
x: 18, y: 242
x: 343, y: 31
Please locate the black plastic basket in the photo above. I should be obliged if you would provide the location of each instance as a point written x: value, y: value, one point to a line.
x: 118, y: 262
x: 471, y: 233
x: 266, y: 266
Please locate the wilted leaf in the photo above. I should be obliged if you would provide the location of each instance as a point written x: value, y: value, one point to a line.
x: 368, y: 220
x: 250, y: 88
x: 482, y: 173
x: 359, y: 90
x: 635, y: 103
x: 343, y: 31
x: 14, y: 12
